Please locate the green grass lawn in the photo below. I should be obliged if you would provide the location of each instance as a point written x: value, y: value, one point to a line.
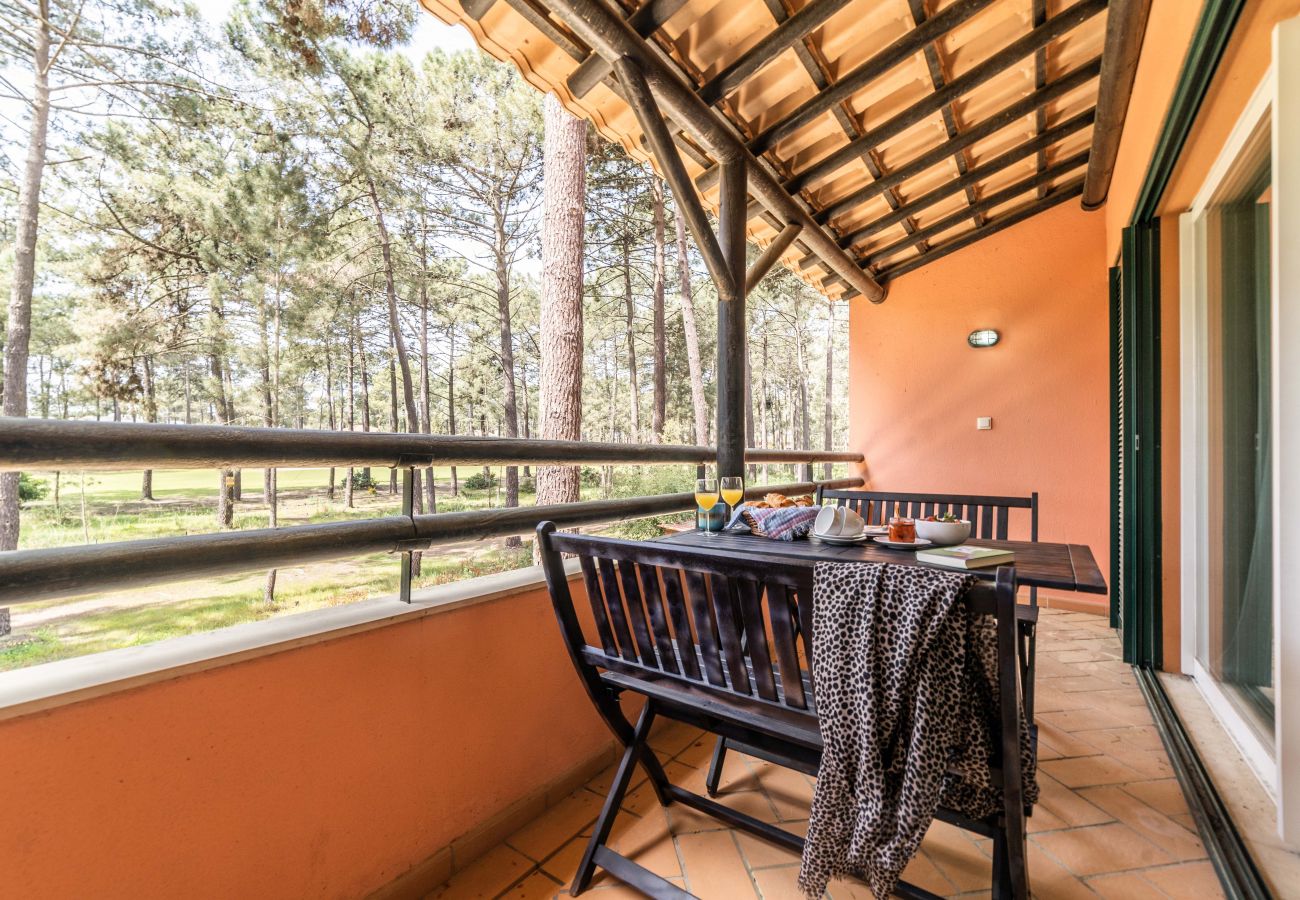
x: 106, y: 507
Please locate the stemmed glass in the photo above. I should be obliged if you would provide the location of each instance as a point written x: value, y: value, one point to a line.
x: 706, y: 497
x: 733, y: 491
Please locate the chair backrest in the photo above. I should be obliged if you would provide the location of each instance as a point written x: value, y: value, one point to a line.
x: 729, y: 624
x: 989, y: 516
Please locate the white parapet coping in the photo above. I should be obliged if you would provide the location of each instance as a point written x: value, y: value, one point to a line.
x: 53, y: 684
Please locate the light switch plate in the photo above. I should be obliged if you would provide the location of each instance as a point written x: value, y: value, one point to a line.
x: 984, y: 423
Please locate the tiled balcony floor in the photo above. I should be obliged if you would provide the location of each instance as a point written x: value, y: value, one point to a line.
x: 1111, y: 823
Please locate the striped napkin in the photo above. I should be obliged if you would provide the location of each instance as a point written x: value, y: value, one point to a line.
x: 781, y: 524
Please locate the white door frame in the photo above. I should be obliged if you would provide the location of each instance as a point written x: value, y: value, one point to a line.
x: 1277, y: 98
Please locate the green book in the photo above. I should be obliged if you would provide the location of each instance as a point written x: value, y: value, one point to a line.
x: 965, y: 557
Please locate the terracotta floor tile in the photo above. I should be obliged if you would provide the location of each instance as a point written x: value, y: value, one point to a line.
x: 553, y: 829
x: 761, y: 854
x: 1087, y: 718
x: 669, y: 737
x: 1063, y: 742
x: 923, y: 873
x: 1102, y: 848
x: 1148, y: 763
x: 1049, y: 879
x: 1130, y: 737
x: 649, y: 842
x: 791, y: 792
x: 1066, y: 805
x: 535, y: 887
x: 486, y: 877
x: 698, y: 752
x: 779, y: 884
x: 1049, y: 700
x: 1189, y: 881
x: 1163, y: 794
x: 713, y: 866
x: 1152, y: 824
x: 600, y: 784
x: 1085, y: 771
x: 563, y: 864
x: 957, y: 857
x: 1125, y: 886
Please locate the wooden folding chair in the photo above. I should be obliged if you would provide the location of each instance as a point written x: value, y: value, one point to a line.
x: 715, y: 641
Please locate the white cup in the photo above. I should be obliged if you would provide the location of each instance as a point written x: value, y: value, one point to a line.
x: 829, y: 521
x: 852, y: 524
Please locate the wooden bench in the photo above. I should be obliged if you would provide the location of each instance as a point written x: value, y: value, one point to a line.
x: 716, y: 641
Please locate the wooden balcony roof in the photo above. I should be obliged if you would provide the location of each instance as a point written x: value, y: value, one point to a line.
x: 905, y: 128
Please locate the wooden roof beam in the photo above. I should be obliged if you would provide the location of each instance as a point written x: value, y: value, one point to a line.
x: 793, y: 29
x: 1015, y: 217
x: 771, y: 253
x: 995, y: 65
x: 1038, y: 15
x: 1125, y: 28
x: 637, y: 93
x: 898, y: 52
x: 990, y: 126
x: 610, y: 36
x: 992, y: 201
x: 976, y: 175
x: 648, y: 18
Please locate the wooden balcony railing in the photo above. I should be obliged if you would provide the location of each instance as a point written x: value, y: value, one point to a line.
x: 44, y: 444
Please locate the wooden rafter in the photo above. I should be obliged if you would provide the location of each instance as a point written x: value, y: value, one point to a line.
x: 939, y: 77
x: 1038, y: 15
x: 1054, y: 198
x: 992, y: 201
x: 816, y: 68
x: 993, y: 124
x: 771, y: 253
x: 1124, y: 32
x: 648, y: 18
x: 986, y: 71
x: 975, y: 176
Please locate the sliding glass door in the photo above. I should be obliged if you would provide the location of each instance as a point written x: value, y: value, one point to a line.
x: 1235, y: 637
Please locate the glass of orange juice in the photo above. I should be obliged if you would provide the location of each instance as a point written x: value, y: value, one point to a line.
x: 733, y: 491
x: 706, y: 496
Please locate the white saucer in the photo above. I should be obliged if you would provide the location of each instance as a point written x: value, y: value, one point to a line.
x: 903, y: 545
x: 836, y: 539
x: 876, y: 529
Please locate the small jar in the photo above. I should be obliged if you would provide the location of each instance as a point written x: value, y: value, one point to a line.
x: 902, y: 531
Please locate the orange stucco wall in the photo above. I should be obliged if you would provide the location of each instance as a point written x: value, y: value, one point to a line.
x: 917, y: 387
x: 323, y: 771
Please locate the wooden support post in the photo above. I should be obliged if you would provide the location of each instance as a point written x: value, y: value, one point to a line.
x: 1126, y: 23
x: 771, y: 253
x: 732, y: 351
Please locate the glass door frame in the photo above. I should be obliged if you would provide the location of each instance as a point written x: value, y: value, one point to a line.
x: 1276, y: 101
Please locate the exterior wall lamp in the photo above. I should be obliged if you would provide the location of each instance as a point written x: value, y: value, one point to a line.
x: 983, y: 337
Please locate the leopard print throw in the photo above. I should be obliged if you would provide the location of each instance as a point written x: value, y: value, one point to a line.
x: 902, y: 675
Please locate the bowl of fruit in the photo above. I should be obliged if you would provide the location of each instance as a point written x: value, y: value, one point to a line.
x: 943, y: 529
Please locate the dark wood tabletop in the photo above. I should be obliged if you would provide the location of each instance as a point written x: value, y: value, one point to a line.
x: 1063, y: 567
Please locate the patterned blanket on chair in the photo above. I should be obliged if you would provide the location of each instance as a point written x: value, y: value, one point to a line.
x: 906, y: 687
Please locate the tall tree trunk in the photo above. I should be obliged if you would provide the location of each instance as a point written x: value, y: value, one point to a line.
x: 692, y: 337
x: 763, y: 404
x: 563, y: 217
x: 426, y: 400
x: 634, y: 392
x: 222, y: 406
x: 510, y: 406
x: 19, y: 328
x: 392, y: 406
x: 329, y: 402
x: 828, y: 409
x: 364, y: 365
x: 394, y: 323
x: 451, y: 399
x: 660, y: 331
x: 350, y: 490
x: 150, y: 415
x: 805, y: 427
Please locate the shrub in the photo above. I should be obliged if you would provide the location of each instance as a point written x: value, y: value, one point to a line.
x: 30, y: 489
x: 589, y: 477
x: 479, y: 481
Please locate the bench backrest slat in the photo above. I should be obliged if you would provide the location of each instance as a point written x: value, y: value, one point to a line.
x: 989, y: 516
